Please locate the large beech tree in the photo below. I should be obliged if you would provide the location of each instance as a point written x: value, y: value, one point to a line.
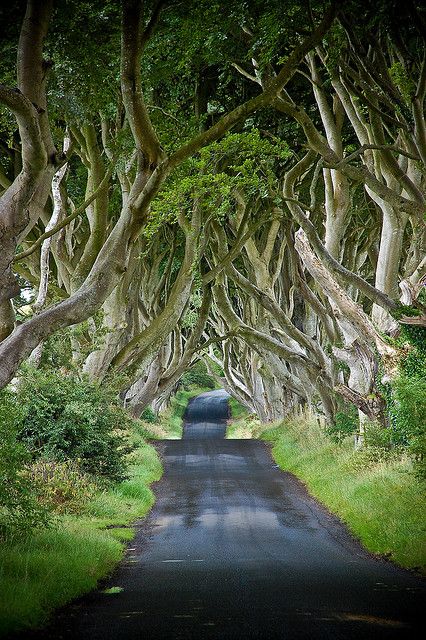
x: 111, y: 245
x: 242, y: 185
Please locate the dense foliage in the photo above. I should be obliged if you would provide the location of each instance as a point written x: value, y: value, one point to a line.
x: 408, y: 408
x: 197, y: 376
x: 64, y: 418
x: 62, y: 439
x: 20, y: 510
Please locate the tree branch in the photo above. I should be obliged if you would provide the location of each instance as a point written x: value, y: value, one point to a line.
x: 77, y: 212
x: 268, y: 95
x: 132, y: 41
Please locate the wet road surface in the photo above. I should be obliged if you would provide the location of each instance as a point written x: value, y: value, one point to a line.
x: 236, y: 549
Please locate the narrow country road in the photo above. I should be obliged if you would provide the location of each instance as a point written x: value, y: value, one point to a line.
x: 236, y: 549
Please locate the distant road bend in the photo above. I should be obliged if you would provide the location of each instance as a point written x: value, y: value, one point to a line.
x: 236, y: 549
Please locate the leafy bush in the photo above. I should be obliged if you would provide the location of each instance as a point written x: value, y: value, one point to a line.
x: 197, y: 376
x: 65, y: 418
x: 149, y: 416
x: 61, y: 486
x: 379, y: 448
x: 19, y: 509
x: 409, y: 418
x: 368, y: 457
x: 413, y: 364
x: 406, y: 396
x: 345, y: 424
x: 378, y: 437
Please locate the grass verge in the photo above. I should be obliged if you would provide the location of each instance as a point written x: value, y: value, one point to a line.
x: 377, y: 496
x: 242, y: 425
x: 56, y: 565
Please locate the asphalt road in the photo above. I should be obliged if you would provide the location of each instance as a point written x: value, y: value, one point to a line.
x: 235, y: 548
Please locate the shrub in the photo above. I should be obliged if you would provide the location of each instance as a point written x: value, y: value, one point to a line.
x: 65, y: 418
x: 197, y: 376
x: 148, y: 415
x: 19, y: 509
x: 345, y: 424
x: 379, y: 448
x: 61, y: 486
x: 409, y: 418
x: 379, y: 437
x: 368, y: 457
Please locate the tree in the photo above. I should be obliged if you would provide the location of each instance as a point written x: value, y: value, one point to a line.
x: 111, y: 245
x: 242, y: 186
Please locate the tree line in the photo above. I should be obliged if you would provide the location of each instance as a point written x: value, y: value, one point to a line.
x: 241, y: 185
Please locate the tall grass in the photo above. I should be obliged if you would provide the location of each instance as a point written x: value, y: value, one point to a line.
x: 377, y: 496
x: 53, y: 566
x: 379, y: 499
x: 242, y: 424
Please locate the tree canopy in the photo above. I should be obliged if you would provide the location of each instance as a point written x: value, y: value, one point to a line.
x: 239, y: 183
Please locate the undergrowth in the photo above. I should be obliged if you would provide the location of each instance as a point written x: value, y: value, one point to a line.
x: 242, y: 424
x: 43, y: 571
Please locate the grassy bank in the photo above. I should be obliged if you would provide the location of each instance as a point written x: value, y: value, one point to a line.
x: 54, y: 566
x: 242, y: 425
x: 375, y: 494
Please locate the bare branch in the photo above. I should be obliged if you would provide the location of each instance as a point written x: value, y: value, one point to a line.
x: 77, y: 212
x: 380, y: 147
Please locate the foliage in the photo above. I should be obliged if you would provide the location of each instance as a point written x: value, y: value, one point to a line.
x: 64, y: 418
x: 378, y: 437
x: 379, y: 447
x: 61, y: 486
x: 148, y: 415
x: 20, y: 510
x: 403, y: 81
x: 245, y: 161
x: 409, y: 412
x: 54, y: 566
x: 345, y: 424
x: 406, y: 401
x: 414, y: 362
x: 197, y: 376
x: 58, y: 351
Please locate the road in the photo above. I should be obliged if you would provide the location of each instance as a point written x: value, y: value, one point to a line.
x: 236, y: 549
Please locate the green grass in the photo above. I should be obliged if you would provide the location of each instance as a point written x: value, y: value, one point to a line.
x: 238, y: 411
x: 56, y: 565
x: 242, y: 425
x: 379, y: 498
